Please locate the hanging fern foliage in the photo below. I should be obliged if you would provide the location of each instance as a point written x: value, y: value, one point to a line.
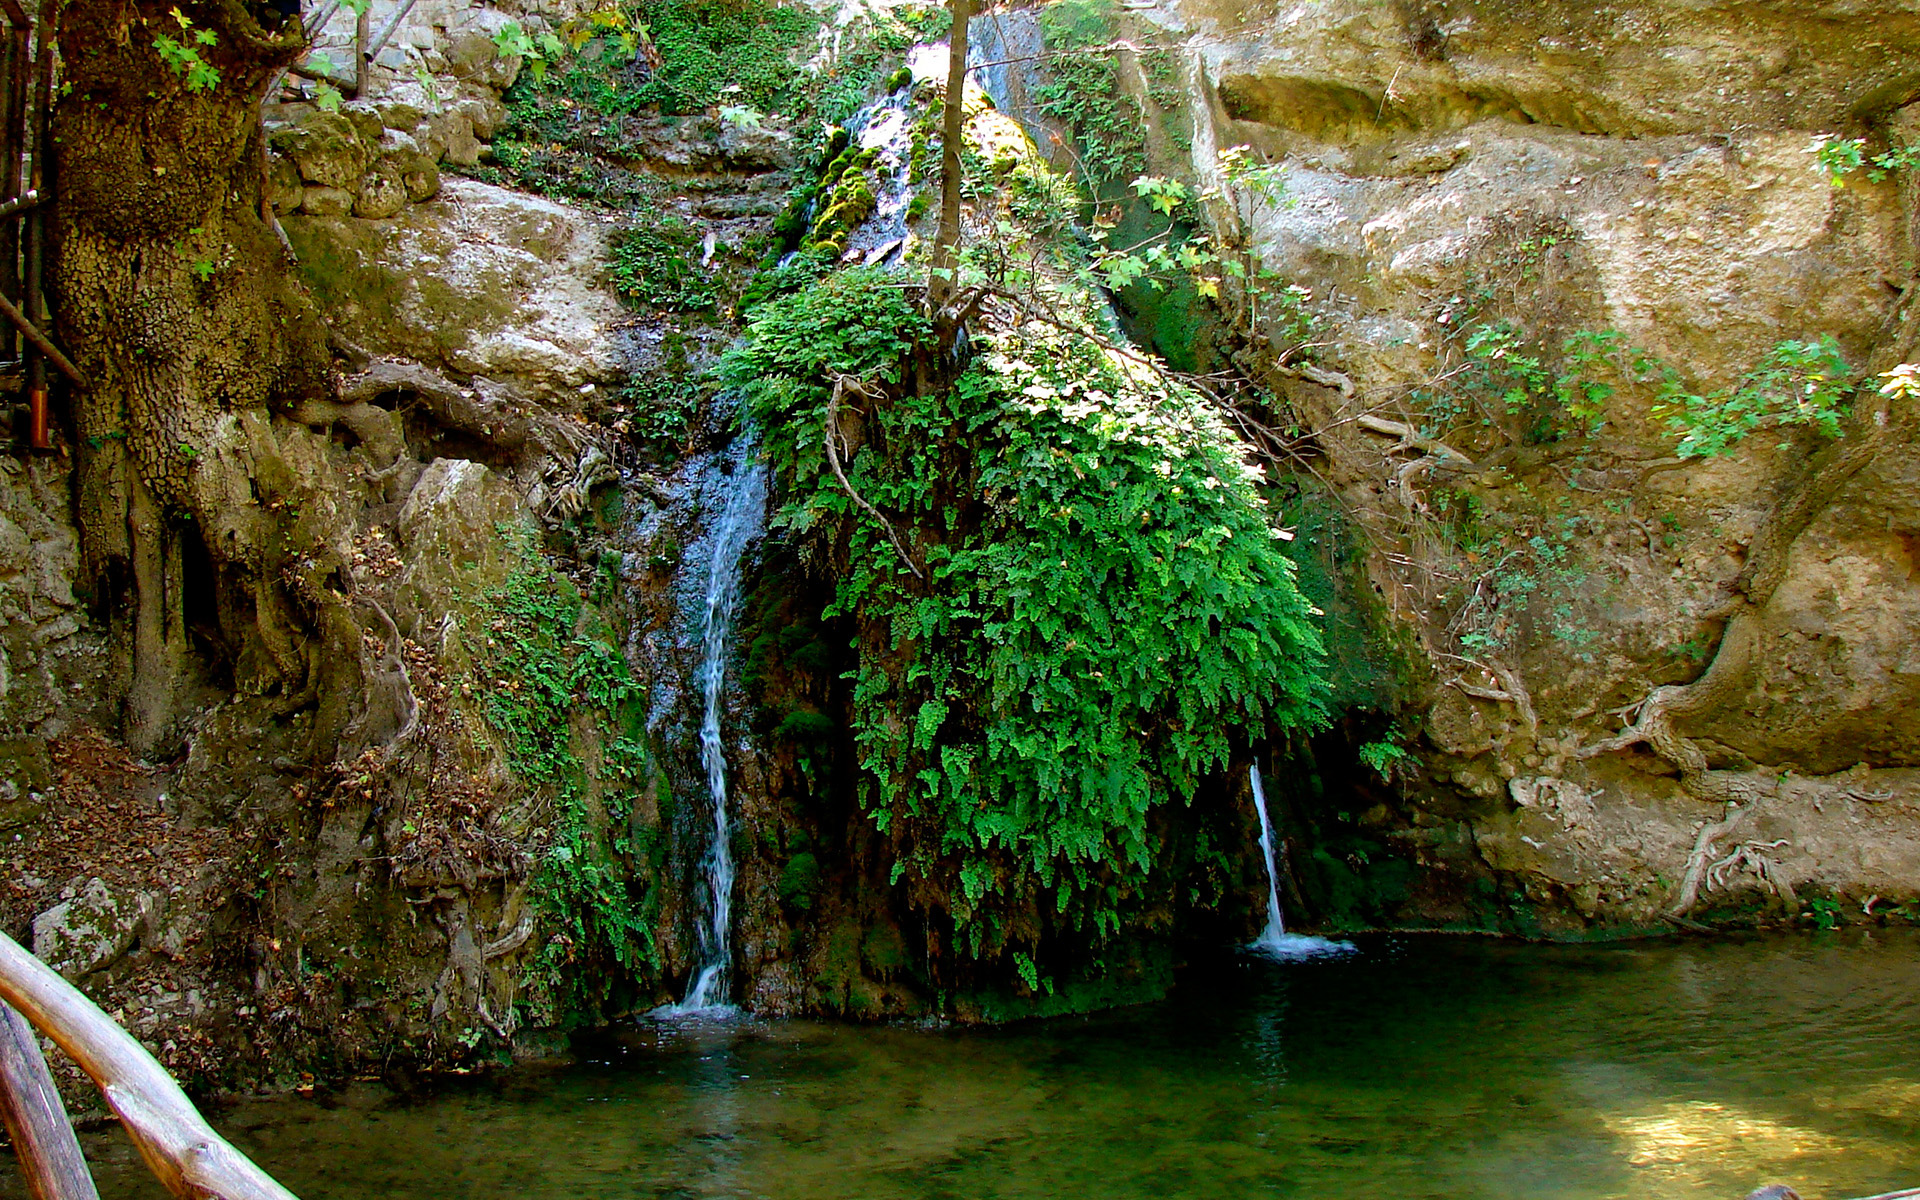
x: 1093, y: 601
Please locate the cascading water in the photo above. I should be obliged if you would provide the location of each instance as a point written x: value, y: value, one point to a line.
x: 740, y: 522
x: 1274, y: 941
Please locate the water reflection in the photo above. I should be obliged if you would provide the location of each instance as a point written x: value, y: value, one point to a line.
x: 1430, y: 1068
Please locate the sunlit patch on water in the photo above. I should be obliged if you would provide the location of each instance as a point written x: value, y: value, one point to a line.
x: 1689, y: 1145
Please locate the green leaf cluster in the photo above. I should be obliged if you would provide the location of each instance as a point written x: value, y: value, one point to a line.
x: 182, y: 54
x: 1841, y: 157
x: 655, y: 264
x: 546, y: 665
x: 1799, y: 383
x: 1104, y: 604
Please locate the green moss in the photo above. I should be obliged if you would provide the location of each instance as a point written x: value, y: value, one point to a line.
x: 804, y: 726
x: 799, y: 881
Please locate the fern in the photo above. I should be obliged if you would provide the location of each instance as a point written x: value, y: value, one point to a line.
x: 1105, y: 600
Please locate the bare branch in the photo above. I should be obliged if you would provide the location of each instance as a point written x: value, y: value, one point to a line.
x: 841, y: 385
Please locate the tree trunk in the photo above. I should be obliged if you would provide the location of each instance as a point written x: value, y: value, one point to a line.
x: 942, y: 279
x: 178, y: 303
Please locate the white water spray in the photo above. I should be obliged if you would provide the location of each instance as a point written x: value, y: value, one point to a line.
x: 739, y: 524
x: 1274, y: 941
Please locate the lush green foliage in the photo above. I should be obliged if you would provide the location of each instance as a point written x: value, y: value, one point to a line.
x: 656, y: 265
x: 540, y: 666
x: 1841, y: 157
x: 1797, y: 383
x: 744, y: 48
x: 1085, y: 94
x: 1105, y: 602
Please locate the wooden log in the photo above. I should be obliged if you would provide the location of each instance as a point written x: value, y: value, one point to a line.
x: 179, y: 1147
x: 37, y: 1122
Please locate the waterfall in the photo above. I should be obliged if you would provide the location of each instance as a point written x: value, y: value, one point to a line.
x: 739, y: 524
x: 1276, y: 923
x: 1274, y: 941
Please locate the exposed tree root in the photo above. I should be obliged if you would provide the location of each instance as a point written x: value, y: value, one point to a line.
x: 1878, y: 424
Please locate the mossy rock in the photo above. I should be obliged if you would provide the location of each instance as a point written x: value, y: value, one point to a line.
x: 328, y: 150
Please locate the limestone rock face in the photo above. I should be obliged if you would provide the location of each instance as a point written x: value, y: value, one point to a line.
x: 478, y: 281
x: 1646, y: 170
x: 453, y: 547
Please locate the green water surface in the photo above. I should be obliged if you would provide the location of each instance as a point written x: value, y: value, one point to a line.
x: 1420, y: 1067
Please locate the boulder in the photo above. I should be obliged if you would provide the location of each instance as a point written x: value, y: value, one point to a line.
x: 327, y: 148
x: 417, y: 172
x: 474, y: 58
x: 84, y: 933
x: 326, y: 202
x: 382, y: 193
x: 284, y: 189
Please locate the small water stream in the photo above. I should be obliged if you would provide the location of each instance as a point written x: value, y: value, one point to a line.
x: 1439, y: 1068
x: 1274, y: 940
x: 740, y: 522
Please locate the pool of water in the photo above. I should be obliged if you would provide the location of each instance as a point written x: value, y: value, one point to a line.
x: 1417, y: 1067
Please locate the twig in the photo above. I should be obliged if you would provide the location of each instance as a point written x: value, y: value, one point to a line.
x: 841, y: 385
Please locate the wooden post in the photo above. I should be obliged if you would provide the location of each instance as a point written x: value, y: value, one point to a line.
x: 37, y: 1122
x: 362, y: 36
x: 193, y: 1161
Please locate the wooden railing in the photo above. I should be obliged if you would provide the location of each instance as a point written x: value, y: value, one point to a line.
x: 177, y: 1144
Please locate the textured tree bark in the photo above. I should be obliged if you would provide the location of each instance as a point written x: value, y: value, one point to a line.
x: 179, y: 305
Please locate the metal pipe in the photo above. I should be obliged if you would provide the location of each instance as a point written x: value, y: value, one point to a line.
x: 36, y: 248
x: 13, y: 141
x: 316, y: 24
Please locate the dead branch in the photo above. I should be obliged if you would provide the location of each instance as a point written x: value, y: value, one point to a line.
x: 841, y: 385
